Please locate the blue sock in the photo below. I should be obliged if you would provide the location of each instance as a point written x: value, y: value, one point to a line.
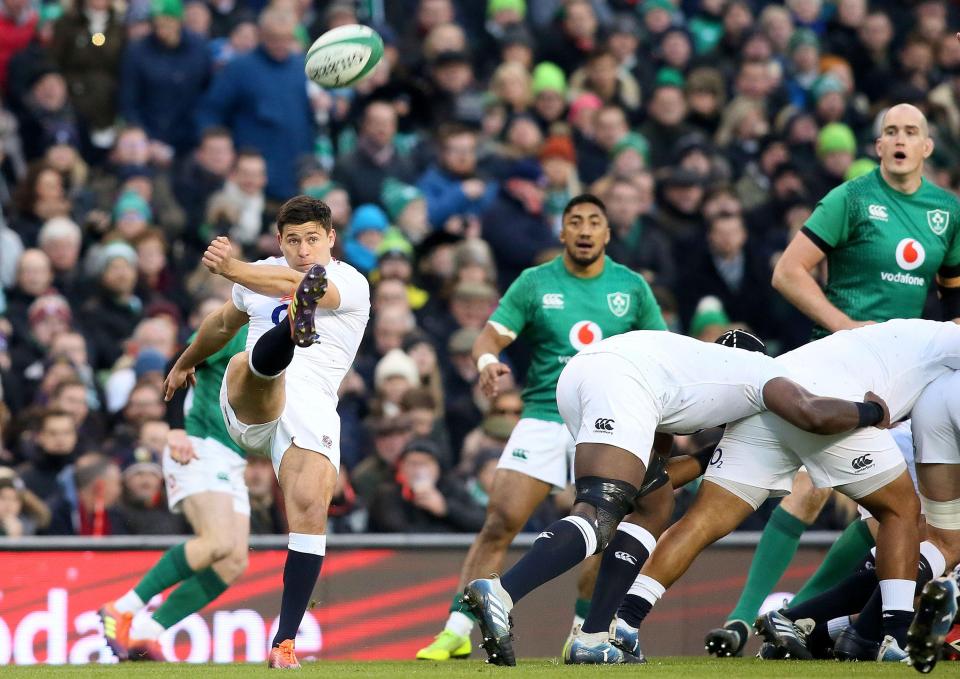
x: 273, y: 351
x: 556, y: 550
x: 622, y: 560
x: 300, y: 574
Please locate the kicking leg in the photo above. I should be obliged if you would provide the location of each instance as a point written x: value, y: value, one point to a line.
x: 307, y: 480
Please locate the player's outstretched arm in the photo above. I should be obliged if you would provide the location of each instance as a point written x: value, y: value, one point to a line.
x: 822, y: 414
x: 216, y: 330
x: 486, y: 352
x: 266, y: 279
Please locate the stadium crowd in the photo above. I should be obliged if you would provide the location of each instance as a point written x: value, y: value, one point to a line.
x: 131, y: 134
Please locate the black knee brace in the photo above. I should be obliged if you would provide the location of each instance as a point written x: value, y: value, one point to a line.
x: 656, y: 476
x: 612, y: 500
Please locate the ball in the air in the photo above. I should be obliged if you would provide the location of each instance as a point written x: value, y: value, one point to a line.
x: 344, y: 56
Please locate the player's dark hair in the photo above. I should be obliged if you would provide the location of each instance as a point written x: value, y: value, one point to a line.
x: 584, y: 198
x: 303, y: 209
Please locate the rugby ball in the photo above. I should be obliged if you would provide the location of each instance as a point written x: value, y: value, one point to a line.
x: 343, y: 56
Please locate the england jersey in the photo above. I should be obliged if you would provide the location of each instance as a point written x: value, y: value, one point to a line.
x: 896, y: 359
x: 695, y: 385
x: 339, y: 331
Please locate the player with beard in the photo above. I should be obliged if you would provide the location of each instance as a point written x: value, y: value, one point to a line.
x: 559, y: 307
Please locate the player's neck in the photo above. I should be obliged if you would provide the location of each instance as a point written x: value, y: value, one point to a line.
x: 908, y: 183
x: 591, y: 270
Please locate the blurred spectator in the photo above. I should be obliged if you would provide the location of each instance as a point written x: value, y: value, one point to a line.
x: 421, y: 499
x: 48, y: 117
x: 266, y: 507
x: 39, y: 197
x: 390, y: 436
x: 573, y: 36
x: 407, y: 208
x: 70, y: 397
x: 34, y: 277
x: 87, y: 45
x: 90, y: 504
x: 239, y: 209
x: 202, y: 175
x: 363, y: 172
x: 48, y: 316
x: 56, y: 442
x: 162, y: 79
x: 21, y: 512
x: 61, y: 239
x: 262, y: 98
x: 395, y: 375
x: 635, y: 239
x: 143, y: 507
x: 365, y: 234
x: 452, y: 187
x: 113, y: 311
x: 18, y: 21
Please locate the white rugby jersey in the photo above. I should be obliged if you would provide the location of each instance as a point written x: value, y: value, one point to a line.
x: 896, y: 359
x: 697, y: 384
x: 339, y: 331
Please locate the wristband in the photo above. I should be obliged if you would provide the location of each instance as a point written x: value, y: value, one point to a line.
x: 485, y: 360
x: 869, y: 413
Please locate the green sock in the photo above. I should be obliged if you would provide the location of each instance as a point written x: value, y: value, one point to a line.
x: 582, y: 608
x: 192, y: 595
x: 846, y: 554
x: 458, y: 606
x: 169, y: 570
x: 774, y: 552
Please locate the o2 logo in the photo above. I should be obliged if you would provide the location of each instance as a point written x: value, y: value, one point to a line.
x: 717, y: 459
x: 279, y: 313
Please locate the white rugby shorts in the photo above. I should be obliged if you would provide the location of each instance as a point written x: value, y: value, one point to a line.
x: 217, y: 469
x: 540, y: 449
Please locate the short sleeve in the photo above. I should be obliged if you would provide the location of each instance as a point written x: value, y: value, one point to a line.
x: 239, y: 296
x: 649, y: 316
x: 828, y: 226
x: 513, y: 311
x: 951, y: 260
x: 352, y: 286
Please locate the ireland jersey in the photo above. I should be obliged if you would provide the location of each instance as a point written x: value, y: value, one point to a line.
x: 884, y: 248
x: 559, y: 314
x: 204, y: 419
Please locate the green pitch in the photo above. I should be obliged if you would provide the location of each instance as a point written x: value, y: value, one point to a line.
x: 695, y: 668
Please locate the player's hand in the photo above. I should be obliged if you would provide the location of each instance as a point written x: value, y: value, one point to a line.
x: 218, y: 256
x: 181, y: 450
x: 490, y: 376
x: 885, y: 422
x: 177, y: 379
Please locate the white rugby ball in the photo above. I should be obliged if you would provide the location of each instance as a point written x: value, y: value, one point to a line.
x: 343, y: 56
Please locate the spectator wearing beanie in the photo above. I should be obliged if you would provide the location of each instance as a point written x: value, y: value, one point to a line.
x: 407, y: 208
x: 110, y: 316
x: 836, y: 150
x: 163, y: 77
x: 559, y: 161
x: 366, y: 232
x: 549, y: 88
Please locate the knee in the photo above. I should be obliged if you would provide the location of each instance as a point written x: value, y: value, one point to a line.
x: 219, y: 544
x: 235, y: 564
x: 807, y: 503
x: 500, y: 525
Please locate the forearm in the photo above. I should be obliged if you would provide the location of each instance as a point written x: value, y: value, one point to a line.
x: 801, y: 289
x: 211, y: 337
x: 267, y: 279
x: 490, y: 341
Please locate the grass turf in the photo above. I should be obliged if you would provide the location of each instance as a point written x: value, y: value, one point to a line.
x: 658, y: 667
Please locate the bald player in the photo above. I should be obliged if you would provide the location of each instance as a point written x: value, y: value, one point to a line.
x: 886, y: 238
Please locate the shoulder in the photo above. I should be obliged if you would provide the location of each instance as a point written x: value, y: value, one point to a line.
x: 948, y: 199
x: 345, y: 275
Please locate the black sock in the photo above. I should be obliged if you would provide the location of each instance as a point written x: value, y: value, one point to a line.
x: 819, y: 641
x: 896, y: 623
x: 273, y: 351
x: 556, y: 550
x: 873, y: 621
x: 622, y: 560
x: 634, y: 609
x: 300, y: 574
x: 846, y: 598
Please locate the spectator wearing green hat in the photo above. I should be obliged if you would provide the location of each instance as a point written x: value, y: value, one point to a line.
x: 549, y: 86
x: 163, y: 77
x: 666, y: 116
x: 836, y: 150
x: 603, y: 77
x: 858, y: 168
x: 804, y: 66
x: 630, y: 155
x: 407, y: 208
x: 829, y: 97
x: 658, y: 16
x: 131, y: 215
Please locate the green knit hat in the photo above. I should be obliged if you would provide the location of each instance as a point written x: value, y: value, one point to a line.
x: 166, y: 8
x: 394, y: 241
x: 669, y: 77
x: 859, y: 167
x: 665, y: 5
x: 709, y: 312
x: 801, y: 37
x: 320, y: 192
x: 836, y: 137
x: 824, y: 85
x: 632, y: 140
x: 131, y: 201
x: 396, y: 196
x: 548, y: 76
x: 519, y: 6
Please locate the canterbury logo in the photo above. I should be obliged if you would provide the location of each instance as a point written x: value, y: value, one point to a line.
x: 861, y: 462
x: 603, y: 424
x: 878, y: 212
x: 546, y: 535
x: 623, y: 556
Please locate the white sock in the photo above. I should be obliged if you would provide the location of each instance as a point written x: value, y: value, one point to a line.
x: 897, y: 595
x: 460, y: 624
x: 129, y: 603
x: 934, y: 557
x: 836, y: 626
x: 145, y: 627
x: 578, y: 621
x: 647, y: 589
x: 307, y: 543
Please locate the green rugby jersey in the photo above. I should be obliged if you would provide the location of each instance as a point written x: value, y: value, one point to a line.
x: 204, y: 419
x: 559, y: 314
x: 884, y: 248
